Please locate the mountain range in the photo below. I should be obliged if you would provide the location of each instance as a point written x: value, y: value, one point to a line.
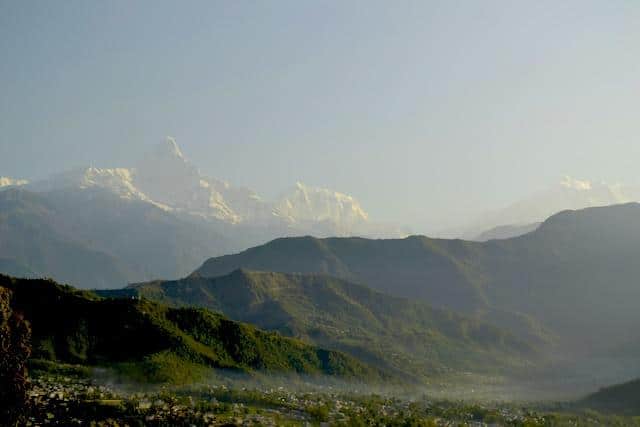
x: 165, y: 178
x: 576, y: 274
x: 163, y: 217
x: 100, y: 228
x: 168, y: 180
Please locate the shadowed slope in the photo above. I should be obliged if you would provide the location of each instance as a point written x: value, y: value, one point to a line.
x: 621, y: 399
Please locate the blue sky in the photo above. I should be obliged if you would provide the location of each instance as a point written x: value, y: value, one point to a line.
x: 427, y: 112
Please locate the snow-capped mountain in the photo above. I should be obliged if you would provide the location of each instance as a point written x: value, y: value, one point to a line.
x: 11, y: 182
x: 104, y: 227
x: 118, y: 181
x: 303, y: 203
x: 304, y: 206
x: 167, y: 179
x: 569, y: 194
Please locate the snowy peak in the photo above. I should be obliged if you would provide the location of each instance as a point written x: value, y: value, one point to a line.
x: 588, y: 193
x: 575, y: 184
x: 172, y: 148
x: 167, y: 179
x: 166, y: 157
x: 578, y: 194
x: 11, y: 182
x: 304, y: 203
x: 569, y: 193
x: 167, y: 152
x: 118, y: 181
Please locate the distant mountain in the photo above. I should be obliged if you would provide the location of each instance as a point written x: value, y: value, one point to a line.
x: 570, y: 194
x: 306, y: 206
x: 577, y: 273
x: 149, y: 341
x: 620, y: 399
x: 506, y: 232
x: 406, y: 336
x: 31, y: 245
x: 167, y: 177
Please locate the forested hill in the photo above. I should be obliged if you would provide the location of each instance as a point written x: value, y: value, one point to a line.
x: 408, y: 336
x: 150, y: 341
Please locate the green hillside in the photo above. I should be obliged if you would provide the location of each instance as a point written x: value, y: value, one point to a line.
x: 407, y: 336
x: 577, y: 273
x: 150, y: 341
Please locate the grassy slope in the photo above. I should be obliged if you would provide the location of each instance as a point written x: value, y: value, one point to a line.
x: 149, y: 340
x: 408, y: 336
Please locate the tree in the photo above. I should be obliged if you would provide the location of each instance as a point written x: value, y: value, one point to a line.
x: 15, y: 348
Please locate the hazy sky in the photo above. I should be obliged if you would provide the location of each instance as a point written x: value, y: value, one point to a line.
x: 425, y: 111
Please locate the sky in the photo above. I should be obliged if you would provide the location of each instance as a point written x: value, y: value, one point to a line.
x: 428, y: 112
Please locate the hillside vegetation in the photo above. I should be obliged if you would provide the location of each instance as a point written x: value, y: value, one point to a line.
x: 408, y: 336
x: 149, y: 341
